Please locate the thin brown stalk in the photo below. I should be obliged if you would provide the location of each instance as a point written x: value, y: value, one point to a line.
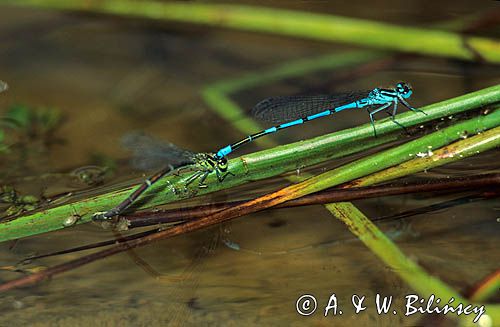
x: 217, y: 217
x: 337, y: 194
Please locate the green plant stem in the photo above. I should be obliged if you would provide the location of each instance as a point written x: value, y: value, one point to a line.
x: 294, y: 23
x: 486, y: 288
x: 358, y: 224
x: 409, y: 271
x: 389, y: 158
x: 281, y: 159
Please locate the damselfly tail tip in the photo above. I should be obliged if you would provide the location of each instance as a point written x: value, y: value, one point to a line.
x: 101, y: 216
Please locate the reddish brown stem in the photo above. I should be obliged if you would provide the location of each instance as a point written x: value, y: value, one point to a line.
x: 218, y: 217
x: 328, y: 196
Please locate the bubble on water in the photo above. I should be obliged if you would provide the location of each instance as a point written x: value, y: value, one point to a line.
x: 122, y: 225
x: 485, y: 321
x: 3, y: 86
x: 16, y: 304
x: 71, y: 220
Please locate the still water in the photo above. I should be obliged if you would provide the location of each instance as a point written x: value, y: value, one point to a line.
x: 107, y: 76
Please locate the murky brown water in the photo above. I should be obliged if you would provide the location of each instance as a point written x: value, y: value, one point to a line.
x: 109, y: 76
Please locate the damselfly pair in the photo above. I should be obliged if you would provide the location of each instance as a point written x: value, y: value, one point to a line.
x: 287, y: 111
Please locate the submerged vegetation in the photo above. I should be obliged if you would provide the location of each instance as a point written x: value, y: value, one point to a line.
x: 25, y: 125
x: 26, y: 133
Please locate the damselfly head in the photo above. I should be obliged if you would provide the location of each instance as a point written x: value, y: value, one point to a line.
x: 214, y: 160
x: 404, y: 90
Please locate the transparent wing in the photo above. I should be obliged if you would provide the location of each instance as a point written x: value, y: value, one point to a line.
x: 150, y: 153
x: 286, y: 108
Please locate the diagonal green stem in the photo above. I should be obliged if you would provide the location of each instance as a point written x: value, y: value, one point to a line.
x: 401, y: 154
x: 284, y: 158
x: 476, y: 144
x: 416, y: 277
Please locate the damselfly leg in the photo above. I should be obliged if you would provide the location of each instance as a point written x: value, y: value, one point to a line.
x: 371, y: 113
x: 392, y: 115
x: 407, y: 105
x: 205, y: 165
